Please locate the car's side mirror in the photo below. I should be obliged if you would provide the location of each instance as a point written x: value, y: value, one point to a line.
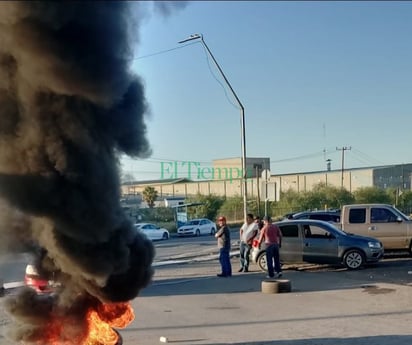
x: 398, y: 219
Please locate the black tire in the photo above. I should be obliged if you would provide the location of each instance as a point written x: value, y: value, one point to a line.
x: 261, y: 262
x: 284, y: 285
x: 410, y: 248
x: 197, y: 232
x: 270, y: 286
x: 165, y: 236
x: 353, y: 259
x: 212, y: 231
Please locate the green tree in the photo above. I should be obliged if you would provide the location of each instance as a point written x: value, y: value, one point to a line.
x: 326, y: 197
x: 232, y: 208
x: 319, y: 198
x: 366, y: 195
x: 405, y: 202
x: 210, y: 205
x: 150, y: 196
x: 290, y: 201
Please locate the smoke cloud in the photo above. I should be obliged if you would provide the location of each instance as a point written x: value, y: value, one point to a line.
x: 69, y: 107
x: 166, y: 8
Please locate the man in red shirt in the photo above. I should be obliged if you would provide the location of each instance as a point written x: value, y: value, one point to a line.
x: 273, y: 241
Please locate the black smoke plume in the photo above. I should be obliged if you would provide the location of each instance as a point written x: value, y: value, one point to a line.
x: 69, y: 106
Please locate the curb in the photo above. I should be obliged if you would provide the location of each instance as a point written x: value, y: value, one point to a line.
x: 209, y: 252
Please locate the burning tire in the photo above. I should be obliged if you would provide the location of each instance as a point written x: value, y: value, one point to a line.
x: 119, y: 339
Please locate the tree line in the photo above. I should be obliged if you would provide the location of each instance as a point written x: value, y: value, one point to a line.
x: 321, y: 197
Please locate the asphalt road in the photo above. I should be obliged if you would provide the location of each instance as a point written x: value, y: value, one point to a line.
x: 187, y: 304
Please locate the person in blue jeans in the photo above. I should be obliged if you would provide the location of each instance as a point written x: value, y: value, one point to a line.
x: 248, y: 232
x: 272, y: 236
x: 223, y: 243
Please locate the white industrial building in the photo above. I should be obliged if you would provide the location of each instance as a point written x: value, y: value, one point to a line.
x: 227, y: 181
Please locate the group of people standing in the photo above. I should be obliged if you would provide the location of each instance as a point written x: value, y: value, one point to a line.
x: 252, y: 230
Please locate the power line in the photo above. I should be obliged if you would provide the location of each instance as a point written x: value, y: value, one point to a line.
x: 161, y: 52
x: 367, y: 157
x: 171, y: 160
x: 207, y: 60
x: 217, y: 80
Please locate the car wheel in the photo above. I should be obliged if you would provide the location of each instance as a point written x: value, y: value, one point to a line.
x: 353, y: 259
x: 197, y: 232
x: 165, y: 236
x: 261, y: 262
x: 213, y: 231
x: 270, y: 286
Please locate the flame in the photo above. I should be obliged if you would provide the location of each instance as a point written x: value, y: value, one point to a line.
x: 52, y: 332
x: 102, y: 320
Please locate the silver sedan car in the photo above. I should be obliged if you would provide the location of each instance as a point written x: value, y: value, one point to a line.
x: 320, y: 242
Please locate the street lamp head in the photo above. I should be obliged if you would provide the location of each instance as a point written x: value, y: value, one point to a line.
x: 191, y: 38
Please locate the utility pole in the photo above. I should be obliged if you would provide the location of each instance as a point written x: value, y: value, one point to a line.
x: 343, y: 149
x: 258, y: 167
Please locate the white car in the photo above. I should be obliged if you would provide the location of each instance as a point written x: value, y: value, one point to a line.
x: 152, y: 231
x: 197, y: 227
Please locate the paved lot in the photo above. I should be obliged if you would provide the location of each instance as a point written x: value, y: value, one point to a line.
x: 188, y: 304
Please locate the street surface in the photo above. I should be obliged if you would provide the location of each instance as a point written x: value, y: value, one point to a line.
x: 187, y: 304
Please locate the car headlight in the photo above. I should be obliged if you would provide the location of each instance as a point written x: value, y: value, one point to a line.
x: 374, y: 244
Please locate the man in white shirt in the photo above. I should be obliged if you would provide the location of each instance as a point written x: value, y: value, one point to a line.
x: 248, y: 232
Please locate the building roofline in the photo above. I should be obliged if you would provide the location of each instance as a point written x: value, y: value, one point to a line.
x: 158, y: 182
x: 339, y: 170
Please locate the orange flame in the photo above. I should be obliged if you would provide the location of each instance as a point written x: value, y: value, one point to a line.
x: 102, y: 319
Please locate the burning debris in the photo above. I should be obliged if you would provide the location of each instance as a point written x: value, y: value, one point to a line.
x: 69, y: 106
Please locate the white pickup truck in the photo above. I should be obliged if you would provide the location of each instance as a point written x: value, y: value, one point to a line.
x: 383, y: 222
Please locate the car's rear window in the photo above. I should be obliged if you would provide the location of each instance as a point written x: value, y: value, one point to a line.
x: 357, y: 215
x: 289, y: 230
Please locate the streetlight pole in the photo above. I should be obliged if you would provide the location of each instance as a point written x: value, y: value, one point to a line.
x: 242, y: 116
x: 258, y: 167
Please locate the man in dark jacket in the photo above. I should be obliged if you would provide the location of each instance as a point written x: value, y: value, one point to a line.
x: 223, y: 243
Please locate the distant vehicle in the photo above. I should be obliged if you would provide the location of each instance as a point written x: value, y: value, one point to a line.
x: 152, y: 231
x: 327, y: 216
x: 40, y: 284
x: 320, y: 242
x: 197, y: 227
x: 289, y: 215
